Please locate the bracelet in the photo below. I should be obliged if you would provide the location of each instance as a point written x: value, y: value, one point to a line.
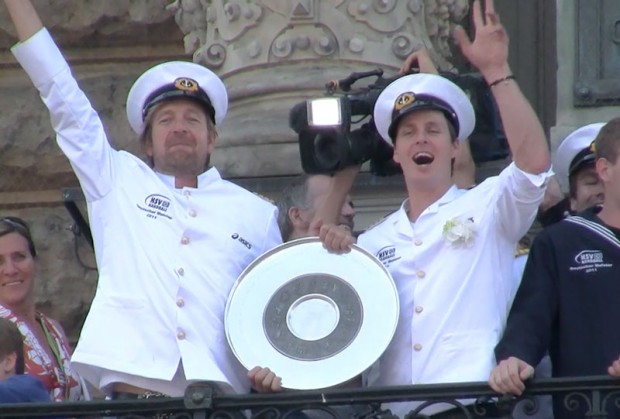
x: 498, y: 81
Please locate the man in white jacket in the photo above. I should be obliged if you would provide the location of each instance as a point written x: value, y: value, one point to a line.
x: 450, y: 250
x: 171, y: 236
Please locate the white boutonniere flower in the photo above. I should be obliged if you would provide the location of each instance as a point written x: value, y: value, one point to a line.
x: 459, y: 232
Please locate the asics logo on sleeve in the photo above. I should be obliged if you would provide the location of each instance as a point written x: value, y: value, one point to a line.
x: 241, y: 240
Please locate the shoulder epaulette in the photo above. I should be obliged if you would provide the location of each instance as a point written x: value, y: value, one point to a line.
x: 521, y: 252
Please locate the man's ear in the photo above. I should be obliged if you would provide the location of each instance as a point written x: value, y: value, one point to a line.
x: 148, y: 148
x: 211, y: 140
x: 603, y: 168
x: 572, y: 204
x: 294, y: 214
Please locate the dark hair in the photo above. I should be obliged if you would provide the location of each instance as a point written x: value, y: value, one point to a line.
x: 607, y: 141
x: 17, y: 225
x: 294, y: 195
x: 11, y: 341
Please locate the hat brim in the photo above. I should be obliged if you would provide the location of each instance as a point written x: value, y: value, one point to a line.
x: 566, y: 160
x: 167, y: 73
x: 424, y: 85
x: 422, y: 104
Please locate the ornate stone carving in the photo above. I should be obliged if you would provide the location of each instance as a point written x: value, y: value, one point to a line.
x: 275, y: 53
x: 232, y: 34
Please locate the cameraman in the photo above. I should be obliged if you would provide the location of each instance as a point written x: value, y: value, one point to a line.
x: 302, y: 199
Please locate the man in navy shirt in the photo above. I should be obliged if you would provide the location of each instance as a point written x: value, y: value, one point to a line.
x: 566, y: 303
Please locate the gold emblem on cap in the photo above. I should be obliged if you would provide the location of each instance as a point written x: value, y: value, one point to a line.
x: 593, y: 147
x: 403, y: 100
x: 186, y: 84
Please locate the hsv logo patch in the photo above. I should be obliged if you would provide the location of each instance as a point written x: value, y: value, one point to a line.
x: 241, y: 240
x: 589, y: 256
x: 157, y: 202
x: 387, y: 255
x: 589, y: 261
x: 155, y: 206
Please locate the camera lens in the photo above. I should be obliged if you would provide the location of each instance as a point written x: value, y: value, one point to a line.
x: 326, y: 150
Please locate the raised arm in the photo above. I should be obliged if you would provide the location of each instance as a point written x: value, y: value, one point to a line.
x: 24, y: 17
x: 325, y: 222
x: 489, y: 53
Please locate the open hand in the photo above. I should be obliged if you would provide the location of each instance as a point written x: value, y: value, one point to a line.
x: 489, y: 49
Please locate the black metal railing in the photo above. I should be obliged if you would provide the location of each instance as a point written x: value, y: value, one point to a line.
x: 594, y: 397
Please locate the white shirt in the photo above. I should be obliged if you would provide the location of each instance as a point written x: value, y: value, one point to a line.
x: 167, y: 257
x: 454, y: 297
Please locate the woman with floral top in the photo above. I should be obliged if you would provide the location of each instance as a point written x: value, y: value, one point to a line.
x: 46, y: 349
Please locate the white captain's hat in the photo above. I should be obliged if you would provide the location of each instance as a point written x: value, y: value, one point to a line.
x: 176, y: 79
x: 576, y: 151
x: 423, y: 91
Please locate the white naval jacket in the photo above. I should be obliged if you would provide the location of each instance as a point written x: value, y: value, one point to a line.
x: 167, y: 257
x: 454, y: 298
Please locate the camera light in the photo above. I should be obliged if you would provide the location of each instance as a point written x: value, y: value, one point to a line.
x: 325, y: 112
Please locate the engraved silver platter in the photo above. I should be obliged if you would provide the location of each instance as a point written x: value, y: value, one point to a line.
x: 315, y: 318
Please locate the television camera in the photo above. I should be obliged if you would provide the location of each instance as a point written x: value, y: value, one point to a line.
x: 336, y: 131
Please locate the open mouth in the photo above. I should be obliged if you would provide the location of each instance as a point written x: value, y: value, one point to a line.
x: 423, y: 158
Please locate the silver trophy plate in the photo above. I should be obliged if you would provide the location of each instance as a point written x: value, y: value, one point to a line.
x: 315, y: 318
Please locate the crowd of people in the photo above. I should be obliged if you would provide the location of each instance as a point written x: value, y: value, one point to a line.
x: 468, y: 311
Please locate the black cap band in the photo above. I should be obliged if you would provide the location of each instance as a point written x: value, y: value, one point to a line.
x: 584, y: 157
x: 180, y: 89
x: 419, y: 102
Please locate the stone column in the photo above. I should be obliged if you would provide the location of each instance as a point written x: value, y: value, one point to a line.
x: 273, y: 54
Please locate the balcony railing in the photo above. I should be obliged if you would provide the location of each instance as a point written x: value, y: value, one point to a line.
x: 597, y: 397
